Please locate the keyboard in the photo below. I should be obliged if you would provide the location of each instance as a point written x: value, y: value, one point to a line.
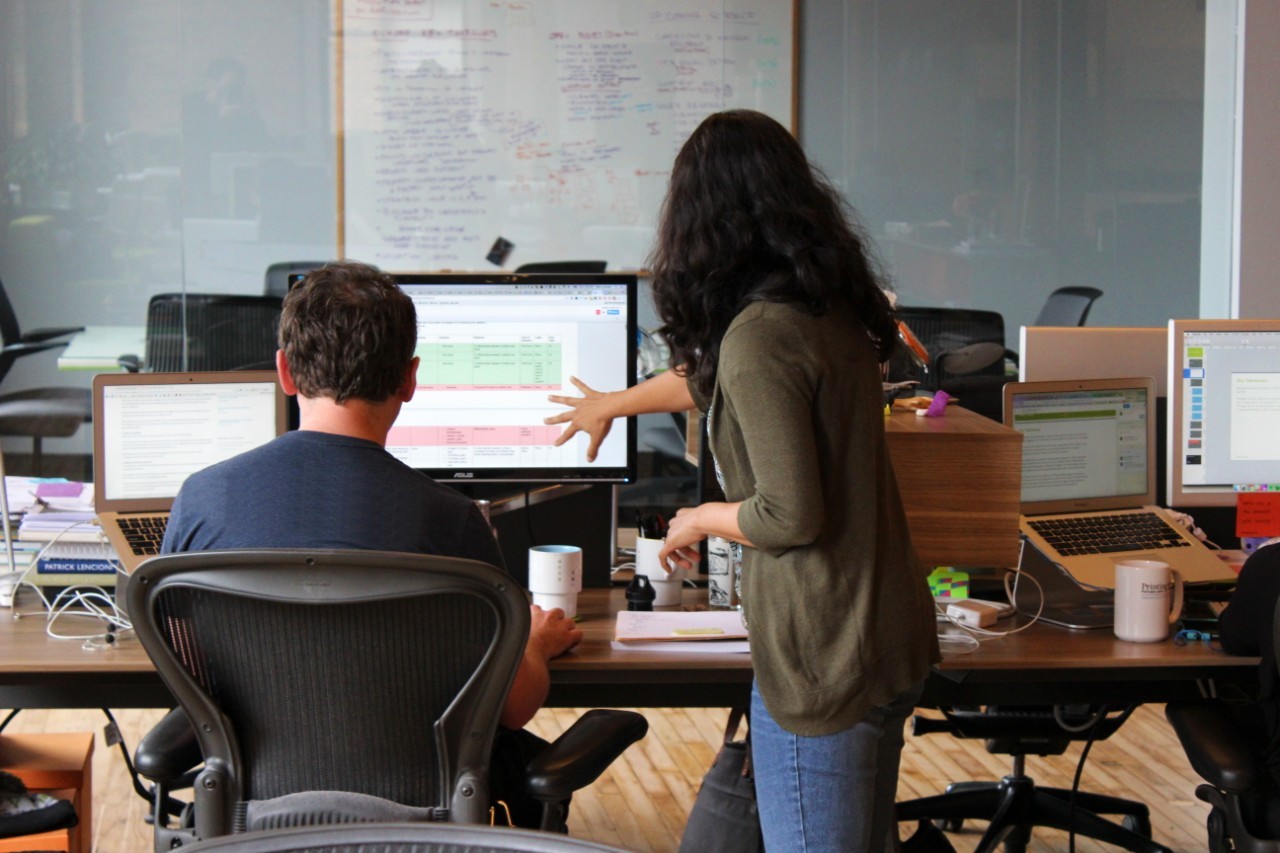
x: 144, y: 533
x: 1101, y: 534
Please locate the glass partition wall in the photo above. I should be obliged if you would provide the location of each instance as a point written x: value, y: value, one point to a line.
x: 156, y: 147
x: 996, y: 149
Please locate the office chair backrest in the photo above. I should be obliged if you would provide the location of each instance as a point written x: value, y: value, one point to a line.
x: 402, y: 838
x: 1067, y: 306
x: 211, y: 331
x: 564, y: 267
x: 946, y: 330
x: 374, y: 674
x: 276, y: 281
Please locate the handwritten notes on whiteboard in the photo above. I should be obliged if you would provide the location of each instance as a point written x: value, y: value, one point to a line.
x: 551, y: 123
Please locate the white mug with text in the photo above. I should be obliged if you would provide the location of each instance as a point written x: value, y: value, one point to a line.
x: 1148, y: 600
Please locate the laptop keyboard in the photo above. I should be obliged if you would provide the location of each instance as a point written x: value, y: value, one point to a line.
x: 144, y: 533
x: 1101, y: 534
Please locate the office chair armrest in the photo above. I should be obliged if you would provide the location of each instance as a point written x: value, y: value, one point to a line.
x: 1210, y: 736
x: 583, y: 752
x: 130, y: 363
x: 22, y: 348
x: 169, y: 750
x: 34, y: 336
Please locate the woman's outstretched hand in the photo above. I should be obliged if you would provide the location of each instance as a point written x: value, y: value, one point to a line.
x: 591, y: 413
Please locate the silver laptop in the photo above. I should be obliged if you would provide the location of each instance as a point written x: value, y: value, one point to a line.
x: 153, y: 430
x: 1088, y: 480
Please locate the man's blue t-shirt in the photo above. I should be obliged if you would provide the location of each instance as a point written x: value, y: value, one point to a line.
x: 309, y: 489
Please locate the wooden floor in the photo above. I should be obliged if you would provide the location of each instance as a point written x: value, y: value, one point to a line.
x: 641, y: 803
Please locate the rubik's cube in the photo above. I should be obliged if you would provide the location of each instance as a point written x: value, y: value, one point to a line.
x: 945, y: 582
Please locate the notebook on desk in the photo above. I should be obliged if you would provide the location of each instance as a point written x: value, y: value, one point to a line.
x: 153, y: 430
x: 1088, y: 480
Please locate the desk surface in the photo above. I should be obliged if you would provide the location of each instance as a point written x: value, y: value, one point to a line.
x: 1042, y: 664
x: 100, y: 347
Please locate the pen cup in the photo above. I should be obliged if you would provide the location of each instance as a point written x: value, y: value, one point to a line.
x: 555, y: 577
x: 666, y: 581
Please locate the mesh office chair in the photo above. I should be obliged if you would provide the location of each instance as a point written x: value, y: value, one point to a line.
x: 966, y: 349
x: 1015, y: 804
x: 1067, y: 306
x: 38, y: 413
x: 564, y: 267
x: 339, y: 686
x: 210, y: 331
x: 1245, y: 813
x: 401, y: 838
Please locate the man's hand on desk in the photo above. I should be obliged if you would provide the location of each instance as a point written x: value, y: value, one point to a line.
x: 550, y: 633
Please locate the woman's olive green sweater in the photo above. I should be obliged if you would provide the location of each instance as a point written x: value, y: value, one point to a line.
x: 838, y: 606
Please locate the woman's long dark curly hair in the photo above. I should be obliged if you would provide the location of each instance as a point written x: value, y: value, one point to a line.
x: 747, y: 219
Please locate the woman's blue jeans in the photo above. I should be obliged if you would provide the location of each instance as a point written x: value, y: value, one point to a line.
x: 833, y: 792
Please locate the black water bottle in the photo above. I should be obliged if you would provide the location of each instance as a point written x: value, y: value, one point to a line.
x: 640, y: 593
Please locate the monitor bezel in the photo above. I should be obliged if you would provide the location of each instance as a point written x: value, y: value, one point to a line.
x: 1178, y: 494
x: 573, y: 475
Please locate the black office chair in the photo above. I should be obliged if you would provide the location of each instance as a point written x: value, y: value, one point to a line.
x: 1067, y: 306
x: 276, y: 282
x: 1245, y: 813
x: 401, y: 838
x: 209, y: 331
x: 966, y: 350
x: 337, y: 686
x: 1015, y: 804
x: 563, y: 267
x: 37, y: 413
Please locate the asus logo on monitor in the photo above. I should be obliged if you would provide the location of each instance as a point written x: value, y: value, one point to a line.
x: 463, y: 476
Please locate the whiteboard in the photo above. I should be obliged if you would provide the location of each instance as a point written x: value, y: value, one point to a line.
x: 550, y: 123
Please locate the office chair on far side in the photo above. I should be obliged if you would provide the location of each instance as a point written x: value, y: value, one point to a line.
x: 563, y: 267
x: 966, y: 348
x: 39, y: 413
x: 1245, y: 813
x: 337, y: 686
x: 209, y: 331
x: 1015, y: 804
x: 1067, y: 306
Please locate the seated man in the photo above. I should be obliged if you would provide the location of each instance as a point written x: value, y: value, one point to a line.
x: 347, y: 338
x: 1246, y: 627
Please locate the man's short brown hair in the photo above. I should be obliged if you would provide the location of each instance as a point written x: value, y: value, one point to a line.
x: 348, y: 332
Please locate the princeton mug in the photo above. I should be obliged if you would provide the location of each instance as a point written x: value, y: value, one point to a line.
x: 1148, y: 600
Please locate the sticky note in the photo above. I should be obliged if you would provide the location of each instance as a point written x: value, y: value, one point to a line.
x: 696, y: 632
x: 59, y: 490
x: 1257, y: 514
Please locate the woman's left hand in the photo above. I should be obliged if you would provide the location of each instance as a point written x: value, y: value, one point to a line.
x: 683, y: 536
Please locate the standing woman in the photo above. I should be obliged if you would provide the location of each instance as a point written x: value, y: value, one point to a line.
x: 777, y: 325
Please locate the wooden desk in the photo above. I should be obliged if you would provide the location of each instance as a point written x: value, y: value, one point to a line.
x: 961, y: 481
x: 1044, y: 664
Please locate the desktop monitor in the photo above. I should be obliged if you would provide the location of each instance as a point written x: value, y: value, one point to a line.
x: 492, y: 348
x: 1224, y: 391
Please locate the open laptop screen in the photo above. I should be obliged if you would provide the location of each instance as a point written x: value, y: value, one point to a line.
x: 1086, y: 445
x: 153, y: 430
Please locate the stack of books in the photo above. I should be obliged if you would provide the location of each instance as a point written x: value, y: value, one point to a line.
x: 75, y: 552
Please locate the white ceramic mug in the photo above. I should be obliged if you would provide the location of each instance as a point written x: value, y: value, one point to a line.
x: 667, y: 581
x: 1148, y: 600
x: 555, y: 577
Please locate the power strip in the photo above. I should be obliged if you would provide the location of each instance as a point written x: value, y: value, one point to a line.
x: 977, y: 613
